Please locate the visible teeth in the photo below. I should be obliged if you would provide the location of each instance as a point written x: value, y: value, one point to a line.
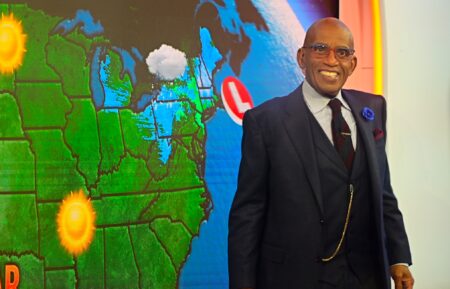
x: 329, y: 73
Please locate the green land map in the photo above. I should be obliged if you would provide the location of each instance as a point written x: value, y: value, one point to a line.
x: 54, y: 140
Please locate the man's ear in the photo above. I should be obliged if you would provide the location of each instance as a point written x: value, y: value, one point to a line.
x: 354, y: 64
x: 300, y: 58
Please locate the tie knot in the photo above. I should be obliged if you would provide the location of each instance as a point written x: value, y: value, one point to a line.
x: 335, y: 105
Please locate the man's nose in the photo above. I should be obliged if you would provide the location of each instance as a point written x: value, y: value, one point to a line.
x: 331, y: 58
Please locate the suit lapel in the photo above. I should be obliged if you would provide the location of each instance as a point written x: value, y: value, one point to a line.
x: 299, y: 131
x: 365, y: 128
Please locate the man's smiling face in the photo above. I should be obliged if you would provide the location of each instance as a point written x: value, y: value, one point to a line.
x: 326, y: 73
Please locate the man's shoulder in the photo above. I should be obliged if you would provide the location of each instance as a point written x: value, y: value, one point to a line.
x: 360, y: 93
x: 364, y: 97
x: 275, y: 105
x: 269, y: 106
x: 269, y: 114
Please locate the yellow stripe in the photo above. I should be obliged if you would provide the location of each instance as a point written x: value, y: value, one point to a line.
x: 377, y: 47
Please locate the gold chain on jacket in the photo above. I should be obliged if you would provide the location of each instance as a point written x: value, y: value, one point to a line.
x: 344, y: 231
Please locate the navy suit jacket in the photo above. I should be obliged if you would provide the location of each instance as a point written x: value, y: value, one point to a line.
x: 275, y: 219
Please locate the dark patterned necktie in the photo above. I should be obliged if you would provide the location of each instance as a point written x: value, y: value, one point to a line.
x: 342, y: 137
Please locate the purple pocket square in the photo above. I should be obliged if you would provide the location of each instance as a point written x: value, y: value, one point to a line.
x: 378, y: 134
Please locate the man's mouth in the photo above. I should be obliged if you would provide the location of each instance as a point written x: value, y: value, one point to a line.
x: 329, y: 74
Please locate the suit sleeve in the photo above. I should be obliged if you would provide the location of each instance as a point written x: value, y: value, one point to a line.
x: 396, y: 239
x: 248, y: 209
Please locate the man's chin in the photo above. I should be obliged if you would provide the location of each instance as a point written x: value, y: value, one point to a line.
x: 325, y: 88
x: 330, y: 93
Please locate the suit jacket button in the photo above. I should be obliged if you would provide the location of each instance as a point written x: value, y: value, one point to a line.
x: 322, y: 221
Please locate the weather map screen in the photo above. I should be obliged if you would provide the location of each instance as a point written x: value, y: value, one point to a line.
x: 120, y: 129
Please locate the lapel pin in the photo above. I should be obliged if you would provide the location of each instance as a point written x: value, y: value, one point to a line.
x: 368, y: 114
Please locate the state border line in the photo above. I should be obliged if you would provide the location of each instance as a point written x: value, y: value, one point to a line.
x: 147, y: 192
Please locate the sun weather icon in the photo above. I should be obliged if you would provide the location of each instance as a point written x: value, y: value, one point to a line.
x: 12, y: 44
x: 76, y: 223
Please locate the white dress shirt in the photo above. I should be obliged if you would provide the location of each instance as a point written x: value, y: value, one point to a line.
x: 318, y: 105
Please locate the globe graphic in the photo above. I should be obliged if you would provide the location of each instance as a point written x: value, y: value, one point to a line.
x: 269, y: 70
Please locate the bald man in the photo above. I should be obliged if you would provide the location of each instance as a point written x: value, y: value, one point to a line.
x: 314, y: 207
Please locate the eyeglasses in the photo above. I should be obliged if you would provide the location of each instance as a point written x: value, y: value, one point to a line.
x: 322, y: 50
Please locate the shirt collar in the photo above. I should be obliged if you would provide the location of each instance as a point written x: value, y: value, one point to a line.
x: 316, y: 102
